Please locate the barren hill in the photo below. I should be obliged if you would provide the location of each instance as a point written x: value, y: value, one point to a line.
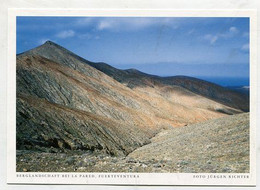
x: 67, y: 103
x: 216, y: 146
x: 219, y: 145
x: 134, y: 78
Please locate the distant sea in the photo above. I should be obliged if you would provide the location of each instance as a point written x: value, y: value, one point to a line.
x: 227, y: 81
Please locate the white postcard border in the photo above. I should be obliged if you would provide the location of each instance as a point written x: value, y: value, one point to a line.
x: 233, y: 179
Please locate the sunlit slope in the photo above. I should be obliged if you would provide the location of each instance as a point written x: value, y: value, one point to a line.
x: 65, y: 102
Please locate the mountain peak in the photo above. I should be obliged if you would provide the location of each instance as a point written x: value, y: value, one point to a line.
x: 47, y: 50
x: 50, y: 43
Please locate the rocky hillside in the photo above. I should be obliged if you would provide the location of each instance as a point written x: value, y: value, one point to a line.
x: 134, y: 78
x: 220, y: 145
x: 216, y: 146
x: 65, y: 102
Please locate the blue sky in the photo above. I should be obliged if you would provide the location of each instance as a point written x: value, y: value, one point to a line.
x: 165, y: 46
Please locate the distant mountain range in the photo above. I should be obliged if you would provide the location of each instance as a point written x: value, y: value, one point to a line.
x: 69, y: 103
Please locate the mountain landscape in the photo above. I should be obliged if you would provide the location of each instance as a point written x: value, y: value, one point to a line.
x: 77, y: 115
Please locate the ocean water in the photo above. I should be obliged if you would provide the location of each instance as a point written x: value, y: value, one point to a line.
x: 227, y: 81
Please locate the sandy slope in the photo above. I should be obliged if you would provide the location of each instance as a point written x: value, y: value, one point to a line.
x: 220, y: 145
